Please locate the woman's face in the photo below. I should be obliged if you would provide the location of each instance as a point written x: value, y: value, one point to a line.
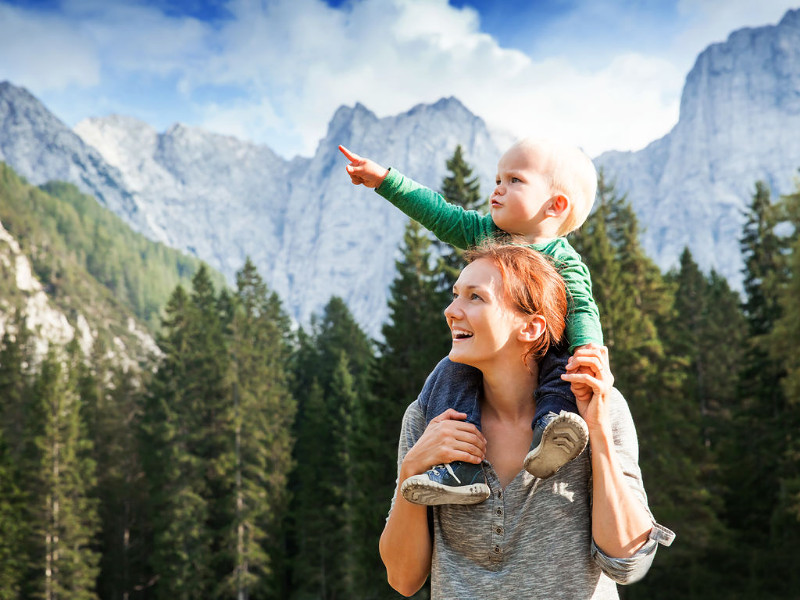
x: 485, y: 328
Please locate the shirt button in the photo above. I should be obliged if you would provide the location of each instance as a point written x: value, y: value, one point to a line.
x: 499, y: 530
x: 499, y: 512
x: 497, y: 549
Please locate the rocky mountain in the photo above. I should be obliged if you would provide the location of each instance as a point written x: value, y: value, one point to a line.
x: 312, y: 234
x: 41, y: 148
x: 739, y: 123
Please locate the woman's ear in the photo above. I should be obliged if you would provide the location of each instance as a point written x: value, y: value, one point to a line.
x: 533, y: 329
x: 558, y: 207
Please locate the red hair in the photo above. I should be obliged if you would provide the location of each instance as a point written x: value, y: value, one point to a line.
x: 532, y: 286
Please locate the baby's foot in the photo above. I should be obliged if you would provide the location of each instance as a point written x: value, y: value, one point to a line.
x: 453, y: 483
x: 557, y: 439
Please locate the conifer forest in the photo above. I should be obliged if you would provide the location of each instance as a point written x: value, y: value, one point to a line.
x: 256, y: 460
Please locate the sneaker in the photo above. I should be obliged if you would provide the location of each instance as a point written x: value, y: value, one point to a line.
x: 557, y: 440
x: 453, y: 483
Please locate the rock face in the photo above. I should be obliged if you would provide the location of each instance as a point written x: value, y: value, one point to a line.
x: 739, y: 123
x: 41, y: 148
x: 311, y: 233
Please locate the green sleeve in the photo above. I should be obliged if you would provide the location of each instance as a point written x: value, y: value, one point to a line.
x: 583, y: 319
x: 448, y: 222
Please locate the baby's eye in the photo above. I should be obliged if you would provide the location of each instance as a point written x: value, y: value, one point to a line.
x: 515, y: 180
x: 497, y: 181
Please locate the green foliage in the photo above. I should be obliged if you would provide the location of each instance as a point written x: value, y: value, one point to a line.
x: 12, y: 527
x: 111, y: 405
x: 332, y: 375
x: 263, y: 413
x: 75, y: 244
x: 59, y: 478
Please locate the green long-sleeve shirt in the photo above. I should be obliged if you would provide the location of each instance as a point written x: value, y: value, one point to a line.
x: 465, y: 228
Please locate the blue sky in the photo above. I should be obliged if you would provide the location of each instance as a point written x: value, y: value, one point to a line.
x: 600, y: 74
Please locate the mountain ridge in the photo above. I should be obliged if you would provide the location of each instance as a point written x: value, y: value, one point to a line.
x: 313, y: 235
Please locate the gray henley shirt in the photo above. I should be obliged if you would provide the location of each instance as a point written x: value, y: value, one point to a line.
x: 533, y: 538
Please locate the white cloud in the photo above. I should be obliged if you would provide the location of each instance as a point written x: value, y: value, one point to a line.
x: 278, y: 69
x: 44, y: 53
x: 391, y: 54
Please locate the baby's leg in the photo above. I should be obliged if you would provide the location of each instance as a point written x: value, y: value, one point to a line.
x: 452, y: 385
x: 457, y: 386
x: 559, y: 433
x: 553, y: 394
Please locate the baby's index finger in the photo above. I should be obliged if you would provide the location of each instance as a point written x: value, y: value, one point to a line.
x: 350, y: 156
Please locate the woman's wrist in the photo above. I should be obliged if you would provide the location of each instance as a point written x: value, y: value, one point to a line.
x: 409, y: 467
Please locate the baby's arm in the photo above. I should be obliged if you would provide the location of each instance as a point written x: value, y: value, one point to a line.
x: 450, y: 223
x: 583, y: 319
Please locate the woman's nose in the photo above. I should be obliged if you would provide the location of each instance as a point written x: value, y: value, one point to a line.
x: 452, y: 309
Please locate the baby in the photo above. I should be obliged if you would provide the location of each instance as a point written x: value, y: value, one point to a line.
x: 544, y: 190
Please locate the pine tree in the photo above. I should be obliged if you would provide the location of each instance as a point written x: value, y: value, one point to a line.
x: 176, y: 440
x: 12, y: 527
x: 755, y: 443
x: 709, y: 333
x: 111, y: 400
x: 16, y: 368
x: 263, y: 413
x: 15, y: 390
x: 462, y: 188
x: 333, y: 366
x: 784, y: 345
x: 60, y: 473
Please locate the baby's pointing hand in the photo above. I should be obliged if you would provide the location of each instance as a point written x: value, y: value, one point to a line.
x: 363, y: 171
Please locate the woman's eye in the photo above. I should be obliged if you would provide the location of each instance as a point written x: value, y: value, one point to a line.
x: 476, y: 297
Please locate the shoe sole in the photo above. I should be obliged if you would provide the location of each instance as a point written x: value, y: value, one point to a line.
x: 563, y: 440
x: 430, y: 493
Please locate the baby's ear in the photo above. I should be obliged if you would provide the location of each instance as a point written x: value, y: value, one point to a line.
x: 559, y: 206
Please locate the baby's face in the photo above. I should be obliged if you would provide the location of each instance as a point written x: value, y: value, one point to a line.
x: 522, y: 191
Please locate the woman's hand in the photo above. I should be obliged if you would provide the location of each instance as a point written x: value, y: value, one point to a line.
x: 589, y: 373
x: 363, y: 171
x: 447, y: 438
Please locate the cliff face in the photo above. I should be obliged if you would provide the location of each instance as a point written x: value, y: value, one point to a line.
x: 41, y: 148
x: 739, y: 123
x: 310, y: 232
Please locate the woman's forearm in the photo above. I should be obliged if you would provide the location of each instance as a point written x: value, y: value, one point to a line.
x: 620, y: 524
x: 406, y: 545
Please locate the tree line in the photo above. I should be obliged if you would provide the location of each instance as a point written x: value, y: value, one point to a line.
x: 258, y: 461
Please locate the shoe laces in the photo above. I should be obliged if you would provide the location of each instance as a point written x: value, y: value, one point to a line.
x: 449, y: 470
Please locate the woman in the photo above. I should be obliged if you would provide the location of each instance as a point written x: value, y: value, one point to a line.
x: 571, y: 536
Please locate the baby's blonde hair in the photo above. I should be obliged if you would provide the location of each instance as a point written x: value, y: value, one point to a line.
x: 571, y: 173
